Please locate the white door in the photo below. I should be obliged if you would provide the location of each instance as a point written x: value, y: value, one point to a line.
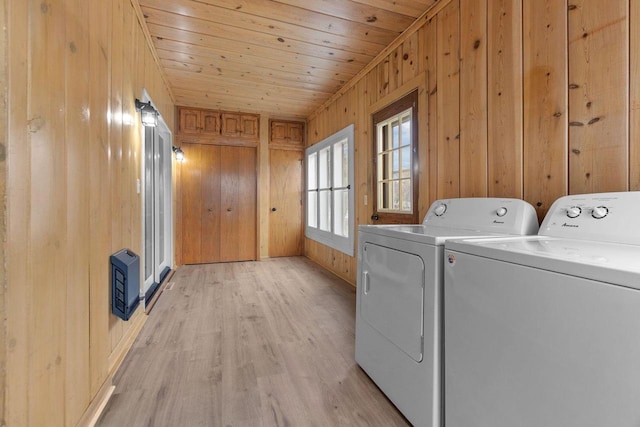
x: 157, y: 207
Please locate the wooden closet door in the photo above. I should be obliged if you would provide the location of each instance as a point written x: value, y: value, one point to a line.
x: 218, y: 203
x: 238, y: 203
x: 285, y: 220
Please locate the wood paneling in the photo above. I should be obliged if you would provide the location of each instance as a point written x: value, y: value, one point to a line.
x: 286, y: 196
x: 598, y: 96
x: 73, y: 142
x: 3, y: 210
x: 473, y: 99
x: 545, y: 102
x: 504, y: 73
x: 77, y: 133
x: 257, y: 50
x: 448, y: 101
x: 501, y: 98
x: 634, y: 97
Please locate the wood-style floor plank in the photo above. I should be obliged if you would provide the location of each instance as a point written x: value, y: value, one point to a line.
x: 268, y: 343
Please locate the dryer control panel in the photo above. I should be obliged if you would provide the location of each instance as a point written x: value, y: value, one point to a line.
x: 496, y: 215
x: 605, y: 217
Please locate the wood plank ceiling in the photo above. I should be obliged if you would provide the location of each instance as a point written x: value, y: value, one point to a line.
x: 283, y: 58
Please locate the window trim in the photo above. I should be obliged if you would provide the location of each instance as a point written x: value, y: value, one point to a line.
x: 408, y: 101
x: 329, y: 238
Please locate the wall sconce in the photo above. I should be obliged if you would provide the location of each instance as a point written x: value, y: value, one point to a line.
x: 148, y: 114
x: 179, y: 153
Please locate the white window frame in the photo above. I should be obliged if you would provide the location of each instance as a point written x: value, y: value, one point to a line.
x: 330, y: 238
x: 388, y: 153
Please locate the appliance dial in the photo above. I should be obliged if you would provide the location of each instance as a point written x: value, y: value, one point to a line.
x: 440, y: 209
x: 599, y: 212
x: 501, y: 211
x: 574, y: 212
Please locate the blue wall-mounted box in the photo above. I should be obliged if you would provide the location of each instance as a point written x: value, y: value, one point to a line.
x: 125, y: 283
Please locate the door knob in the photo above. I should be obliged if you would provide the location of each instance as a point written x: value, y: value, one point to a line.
x: 273, y: 209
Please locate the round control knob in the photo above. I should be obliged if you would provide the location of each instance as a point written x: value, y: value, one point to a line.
x: 599, y: 212
x: 574, y: 212
x: 440, y: 209
x: 501, y: 211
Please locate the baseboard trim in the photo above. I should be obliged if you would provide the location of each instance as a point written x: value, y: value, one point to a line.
x: 97, y: 405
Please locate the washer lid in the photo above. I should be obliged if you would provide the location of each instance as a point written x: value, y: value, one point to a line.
x: 606, y: 262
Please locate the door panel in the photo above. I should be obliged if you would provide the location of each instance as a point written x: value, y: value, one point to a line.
x: 218, y: 203
x: 285, y: 222
x: 392, y: 295
x: 210, y: 211
x: 238, y: 203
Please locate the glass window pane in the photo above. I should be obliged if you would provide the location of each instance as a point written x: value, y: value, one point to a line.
x: 395, y: 126
x: 396, y: 164
x: 312, y: 209
x: 325, y: 210
x: 340, y: 164
x: 323, y: 168
x: 148, y: 202
x: 406, y: 130
x: 407, y: 195
x: 406, y: 162
x: 312, y: 171
x: 162, y: 191
x: 341, y: 212
x: 395, y: 195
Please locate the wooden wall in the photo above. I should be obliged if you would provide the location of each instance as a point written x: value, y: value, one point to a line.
x: 73, y: 141
x: 531, y: 99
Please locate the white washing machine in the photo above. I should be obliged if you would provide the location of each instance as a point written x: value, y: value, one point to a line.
x: 399, y: 288
x: 545, y: 330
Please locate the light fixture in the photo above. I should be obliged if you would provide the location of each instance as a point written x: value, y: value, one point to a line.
x: 148, y: 114
x: 179, y: 153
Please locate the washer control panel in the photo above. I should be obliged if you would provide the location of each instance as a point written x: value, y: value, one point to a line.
x: 609, y: 217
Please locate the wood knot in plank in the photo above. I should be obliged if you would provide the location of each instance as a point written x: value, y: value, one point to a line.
x: 557, y: 114
x: 594, y: 120
x: 575, y: 151
x: 405, y: 56
x: 576, y: 124
x: 372, y: 18
x: 476, y: 44
x: 572, y: 7
x: 573, y: 86
x: 36, y: 123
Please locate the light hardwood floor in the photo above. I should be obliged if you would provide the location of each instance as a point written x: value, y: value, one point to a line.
x: 267, y: 343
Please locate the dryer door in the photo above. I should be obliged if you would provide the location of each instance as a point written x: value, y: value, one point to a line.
x: 392, y: 296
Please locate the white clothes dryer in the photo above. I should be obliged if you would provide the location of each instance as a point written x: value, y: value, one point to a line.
x: 399, y: 288
x: 545, y: 330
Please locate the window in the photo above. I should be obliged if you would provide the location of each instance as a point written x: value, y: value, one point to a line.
x: 330, y: 202
x: 395, y: 130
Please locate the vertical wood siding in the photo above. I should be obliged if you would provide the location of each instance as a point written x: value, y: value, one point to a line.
x: 73, y: 138
x: 532, y: 99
